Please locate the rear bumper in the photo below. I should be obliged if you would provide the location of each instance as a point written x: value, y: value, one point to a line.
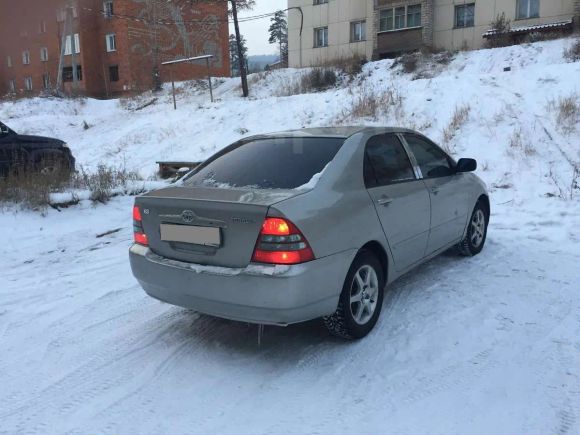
x: 264, y: 294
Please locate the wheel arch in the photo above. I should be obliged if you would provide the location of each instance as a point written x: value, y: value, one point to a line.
x: 379, y: 251
x: 484, y: 199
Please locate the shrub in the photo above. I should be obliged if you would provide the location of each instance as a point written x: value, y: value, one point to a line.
x: 500, y: 37
x: 315, y: 80
x: 351, y: 66
x: 572, y: 54
x: 102, y: 183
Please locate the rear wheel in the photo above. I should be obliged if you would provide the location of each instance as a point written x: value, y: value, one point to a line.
x: 476, y: 234
x: 361, y: 299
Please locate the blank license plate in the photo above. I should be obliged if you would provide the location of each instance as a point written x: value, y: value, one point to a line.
x: 206, y: 236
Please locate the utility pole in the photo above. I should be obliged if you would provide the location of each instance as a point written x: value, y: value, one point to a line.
x: 243, y: 71
x: 70, y: 17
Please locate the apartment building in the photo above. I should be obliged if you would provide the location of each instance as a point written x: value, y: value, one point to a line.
x: 106, y: 48
x: 333, y: 29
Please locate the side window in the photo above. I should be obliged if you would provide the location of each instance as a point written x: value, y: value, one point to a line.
x: 432, y: 160
x: 388, y: 160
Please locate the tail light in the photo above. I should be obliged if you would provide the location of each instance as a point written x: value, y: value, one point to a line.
x: 138, y: 233
x: 280, y: 242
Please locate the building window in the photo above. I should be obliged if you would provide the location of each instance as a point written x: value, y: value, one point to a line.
x: 320, y: 2
x: 28, y: 83
x: 528, y: 9
x: 108, y: 9
x: 44, y: 54
x: 114, y: 73
x: 358, y: 31
x: 42, y: 27
x: 402, y: 17
x: 67, y: 73
x: 68, y: 44
x: 465, y: 15
x: 414, y: 16
x: 12, y: 86
x: 111, y: 41
x: 9, y: 61
x: 26, y: 57
x: 46, y: 81
x: 321, y: 37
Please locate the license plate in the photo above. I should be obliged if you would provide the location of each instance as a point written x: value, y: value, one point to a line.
x: 206, y: 236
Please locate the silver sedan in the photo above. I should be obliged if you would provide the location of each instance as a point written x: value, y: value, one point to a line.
x: 314, y: 223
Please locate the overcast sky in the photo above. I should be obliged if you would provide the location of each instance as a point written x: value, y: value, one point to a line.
x: 256, y: 31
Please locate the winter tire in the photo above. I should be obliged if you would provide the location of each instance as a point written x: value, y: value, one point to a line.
x: 361, y: 299
x: 476, y: 234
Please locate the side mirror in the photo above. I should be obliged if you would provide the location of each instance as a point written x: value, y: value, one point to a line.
x: 466, y: 165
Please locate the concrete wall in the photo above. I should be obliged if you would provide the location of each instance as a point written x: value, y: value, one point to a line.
x: 447, y: 37
x: 337, y: 15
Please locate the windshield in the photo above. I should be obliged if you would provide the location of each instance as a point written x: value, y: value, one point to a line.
x: 270, y: 163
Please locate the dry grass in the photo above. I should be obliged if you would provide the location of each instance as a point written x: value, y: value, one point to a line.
x: 351, y: 66
x: 567, y: 112
x: 460, y: 116
x: 315, y: 80
x: 104, y: 181
x: 32, y: 191
x: 519, y: 144
x: 369, y: 104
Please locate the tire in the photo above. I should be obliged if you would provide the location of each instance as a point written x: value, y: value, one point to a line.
x: 348, y: 321
x: 476, y: 235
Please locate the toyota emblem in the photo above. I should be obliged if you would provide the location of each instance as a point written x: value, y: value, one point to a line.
x: 188, y: 216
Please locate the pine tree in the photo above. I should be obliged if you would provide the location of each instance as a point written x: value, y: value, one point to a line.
x: 279, y: 34
x: 234, y: 55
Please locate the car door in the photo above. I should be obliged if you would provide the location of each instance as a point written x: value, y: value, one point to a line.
x: 447, y: 189
x: 401, y: 200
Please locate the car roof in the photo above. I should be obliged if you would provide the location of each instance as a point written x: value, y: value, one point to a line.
x: 338, y: 132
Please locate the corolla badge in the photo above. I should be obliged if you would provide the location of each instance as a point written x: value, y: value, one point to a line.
x: 187, y: 216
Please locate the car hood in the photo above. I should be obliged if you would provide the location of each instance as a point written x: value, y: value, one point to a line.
x: 38, y: 140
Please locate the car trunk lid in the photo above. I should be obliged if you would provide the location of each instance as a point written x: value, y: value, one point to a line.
x: 209, y: 226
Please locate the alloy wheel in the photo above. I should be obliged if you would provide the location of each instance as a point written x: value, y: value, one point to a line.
x: 477, y: 228
x: 364, y: 293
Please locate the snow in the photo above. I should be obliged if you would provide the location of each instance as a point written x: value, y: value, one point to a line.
x: 482, y: 345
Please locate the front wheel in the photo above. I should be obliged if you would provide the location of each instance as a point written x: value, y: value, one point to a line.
x: 361, y: 299
x: 474, y: 239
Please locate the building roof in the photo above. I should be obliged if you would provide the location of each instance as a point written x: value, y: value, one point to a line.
x: 538, y: 27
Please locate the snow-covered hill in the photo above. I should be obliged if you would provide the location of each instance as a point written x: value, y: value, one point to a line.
x: 484, y: 345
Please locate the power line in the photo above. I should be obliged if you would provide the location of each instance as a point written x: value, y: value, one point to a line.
x: 173, y: 22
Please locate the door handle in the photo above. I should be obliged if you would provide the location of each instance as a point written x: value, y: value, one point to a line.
x: 384, y: 200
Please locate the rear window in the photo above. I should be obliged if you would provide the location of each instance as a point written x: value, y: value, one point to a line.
x: 281, y: 163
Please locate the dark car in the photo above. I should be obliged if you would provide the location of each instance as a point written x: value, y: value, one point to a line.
x: 33, y: 153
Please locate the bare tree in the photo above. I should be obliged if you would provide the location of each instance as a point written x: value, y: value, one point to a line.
x: 234, y: 6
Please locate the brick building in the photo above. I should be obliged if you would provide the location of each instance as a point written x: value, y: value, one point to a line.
x: 104, y: 48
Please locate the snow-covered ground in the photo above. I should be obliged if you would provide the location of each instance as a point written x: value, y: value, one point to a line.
x: 484, y: 345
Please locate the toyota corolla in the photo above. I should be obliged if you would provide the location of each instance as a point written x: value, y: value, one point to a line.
x: 315, y: 223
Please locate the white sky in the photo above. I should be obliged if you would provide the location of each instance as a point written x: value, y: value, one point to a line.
x: 256, y: 31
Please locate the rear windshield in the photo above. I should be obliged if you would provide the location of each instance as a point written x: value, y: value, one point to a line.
x: 282, y: 163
